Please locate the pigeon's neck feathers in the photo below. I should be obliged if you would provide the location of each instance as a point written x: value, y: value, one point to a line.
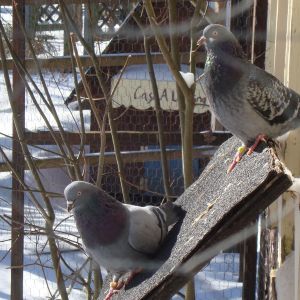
x: 223, y: 70
x: 227, y: 48
x: 224, y: 54
x: 225, y: 64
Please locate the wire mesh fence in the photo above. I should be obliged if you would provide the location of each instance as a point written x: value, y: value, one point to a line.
x: 135, y: 119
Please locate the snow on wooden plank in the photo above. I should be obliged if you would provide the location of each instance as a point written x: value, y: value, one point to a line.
x: 217, y: 205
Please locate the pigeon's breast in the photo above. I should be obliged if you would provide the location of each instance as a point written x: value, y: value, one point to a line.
x: 118, y: 257
x: 233, y: 112
x: 102, y: 228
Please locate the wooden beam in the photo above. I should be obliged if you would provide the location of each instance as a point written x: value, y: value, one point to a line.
x: 143, y: 137
x: 127, y: 156
x: 217, y: 206
x: 105, y: 60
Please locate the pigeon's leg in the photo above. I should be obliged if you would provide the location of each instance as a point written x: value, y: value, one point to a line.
x: 259, y: 138
x: 132, y: 274
x: 110, y: 293
x: 237, y: 157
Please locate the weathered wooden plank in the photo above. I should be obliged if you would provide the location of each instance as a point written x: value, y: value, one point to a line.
x: 110, y: 158
x: 210, y: 140
x: 217, y: 205
x: 143, y: 137
x: 105, y: 60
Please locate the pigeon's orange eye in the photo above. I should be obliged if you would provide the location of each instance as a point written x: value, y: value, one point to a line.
x: 79, y: 193
x: 215, y: 33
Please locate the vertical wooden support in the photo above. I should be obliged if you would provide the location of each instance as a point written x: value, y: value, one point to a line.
x: 271, y: 33
x: 31, y: 19
x: 76, y: 16
x: 90, y: 23
x: 249, y: 266
x: 17, y: 233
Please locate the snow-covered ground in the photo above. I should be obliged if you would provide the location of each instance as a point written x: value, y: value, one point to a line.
x: 217, y: 281
x: 35, y: 286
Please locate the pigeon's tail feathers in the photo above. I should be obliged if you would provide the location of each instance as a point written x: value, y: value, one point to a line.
x: 173, y: 212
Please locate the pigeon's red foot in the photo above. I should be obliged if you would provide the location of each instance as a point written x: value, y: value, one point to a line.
x: 259, y: 138
x: 115, y: 286
x: 241, y: 151
x: 237, y: 158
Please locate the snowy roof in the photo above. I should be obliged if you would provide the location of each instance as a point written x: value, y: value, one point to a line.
x: 162, y: 72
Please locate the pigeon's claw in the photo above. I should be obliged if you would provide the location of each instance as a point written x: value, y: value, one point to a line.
x: 237, y: 158
x: 115, y: 286
x: 110, y: 293
x: 259, y: 138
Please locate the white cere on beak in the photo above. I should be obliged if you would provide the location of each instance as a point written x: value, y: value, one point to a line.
x: 70, y: 205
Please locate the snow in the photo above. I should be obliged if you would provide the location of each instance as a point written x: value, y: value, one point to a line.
x: 188, y: 77
x: 60, y: 86
x: 295, y: 188
x: 285, y: 280
x: 162, y: 72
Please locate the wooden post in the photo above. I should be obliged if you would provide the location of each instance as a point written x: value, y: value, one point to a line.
x: 249, y: 266
x: 73, y: 9
x: 17, y: 230
x: 90, y: 23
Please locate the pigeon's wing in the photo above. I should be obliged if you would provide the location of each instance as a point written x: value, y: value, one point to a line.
x: 276, y: 103
x: 147, y: 228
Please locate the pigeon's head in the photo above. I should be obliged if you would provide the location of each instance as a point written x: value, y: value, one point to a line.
x: 218, y: 38
x: 78, y: 193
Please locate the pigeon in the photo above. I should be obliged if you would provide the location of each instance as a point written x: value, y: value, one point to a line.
x: 250, y: 102
x: 120, y: 237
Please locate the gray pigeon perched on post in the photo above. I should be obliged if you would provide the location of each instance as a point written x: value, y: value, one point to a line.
x: 248, y: 101
x: 120, y: 237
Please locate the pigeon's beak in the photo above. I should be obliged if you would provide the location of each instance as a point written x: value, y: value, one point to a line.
x: 70, y: 205
x: 201, y: 41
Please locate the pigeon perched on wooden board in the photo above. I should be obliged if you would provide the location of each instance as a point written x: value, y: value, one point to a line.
x: 248, y: 101
x: 120, y: 237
